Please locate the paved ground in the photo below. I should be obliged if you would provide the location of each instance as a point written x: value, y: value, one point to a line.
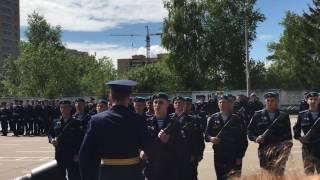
x: 18, y: 155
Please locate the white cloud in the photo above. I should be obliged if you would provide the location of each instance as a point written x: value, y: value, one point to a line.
x: 265, y: 37
x: 113, y: 51
x: 94, y: 15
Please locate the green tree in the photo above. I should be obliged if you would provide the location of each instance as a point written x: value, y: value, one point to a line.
x: 46, y: 68
x: 206, y: 41
x: 154, y: 78
x: 296, y: 57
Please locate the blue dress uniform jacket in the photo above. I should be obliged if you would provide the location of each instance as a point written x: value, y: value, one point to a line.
x: 112, y: 144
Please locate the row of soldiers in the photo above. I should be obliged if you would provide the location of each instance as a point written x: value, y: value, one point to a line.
x: 155, y: 140
x: 35, y: 117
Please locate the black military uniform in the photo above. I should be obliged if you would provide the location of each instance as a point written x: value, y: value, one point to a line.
x: 110, y: 149
x: 274, y: 151
x: 188, y: 141
x: 29, y: 123
x: 254, y: 105
x: 17, y: 113
x: 5, y: 116
x: 83, y: 117
x: 46, y: 117
x: 233, y: 145
x: 69, y: 135
x: 310, y: 148
x: 37, y: 116
x: 241, y: 107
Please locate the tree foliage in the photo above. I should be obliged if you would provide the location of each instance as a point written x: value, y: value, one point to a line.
x: 296, y: 57
x: 206, y: 41
x: 46, y: 68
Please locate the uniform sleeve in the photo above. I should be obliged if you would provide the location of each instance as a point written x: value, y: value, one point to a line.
x: 209, y: 130
x: 297, y: 128
x: 243, y: 140
x: 144, y: 135
x: 198, y: 139
x: 89, y: 158
x: 287, y: 131
x: 252, y: 129
x: 51, y: 133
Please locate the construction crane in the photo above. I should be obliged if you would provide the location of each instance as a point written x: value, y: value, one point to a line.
x: 148, y: 39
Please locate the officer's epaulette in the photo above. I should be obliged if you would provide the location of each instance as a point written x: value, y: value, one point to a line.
x: 302, y: 112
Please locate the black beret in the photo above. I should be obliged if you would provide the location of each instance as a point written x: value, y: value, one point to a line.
x: 139, y: 99
x: 271, y: 95
x: 224, y: 97
x: 312, y: 94
x: 67, y: 102
x: 80, y: 100
x: 103, y: 101
x: 161, y: 95
x: 188, y: 99
x: 148, y: 98
x: 178, y: 98
x: 232, y: 97
x: 3, y: 103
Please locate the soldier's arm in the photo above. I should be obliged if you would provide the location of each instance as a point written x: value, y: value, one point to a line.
x: 89, y: 158
x: 287, y: 131
x: 209, y: 130
x: 144, y: 135
x: 198, y: 138
x: 252, y: 129
x: 297, y: 128
x: 51, y: 133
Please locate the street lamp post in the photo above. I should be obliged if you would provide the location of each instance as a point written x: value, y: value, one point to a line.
x: 247, y: 53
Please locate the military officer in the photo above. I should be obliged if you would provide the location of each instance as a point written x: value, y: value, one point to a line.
x: 139, y: 104
x: 66, y: 135
x: 310, y: 146
x: 187, y: 139
x: 271, y: 129
x: 80, y: 113
x: 227, y: 132
x: 162, y: 161
x: 111, y: 147
x: 4, y: 118
x: 254, y: 105
x: 149, y: 106
x: 102, y: 105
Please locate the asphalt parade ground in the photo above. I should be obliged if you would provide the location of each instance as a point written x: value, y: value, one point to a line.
x: 18, y: 155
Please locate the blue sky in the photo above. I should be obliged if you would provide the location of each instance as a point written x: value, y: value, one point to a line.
x: 89, y: 24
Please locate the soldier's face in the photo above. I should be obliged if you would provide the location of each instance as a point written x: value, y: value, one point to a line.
x: 139, y: 107
x: 178, y: 105
x: 272, y: 103
x: 225, y: 105
x: 101, y: 107
x: 149, y: 105
x: 313, y: 101
x: 79, y: 106
x: 65, y: 109
x: 160, y: 106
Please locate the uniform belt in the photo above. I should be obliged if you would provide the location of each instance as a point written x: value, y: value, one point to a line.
x: 120, y: 162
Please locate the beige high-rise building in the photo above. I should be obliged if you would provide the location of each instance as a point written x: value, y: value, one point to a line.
x: 9, y: 28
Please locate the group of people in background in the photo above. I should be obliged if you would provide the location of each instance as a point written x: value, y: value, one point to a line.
x: 34, y: 117
x: 101, y: 140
